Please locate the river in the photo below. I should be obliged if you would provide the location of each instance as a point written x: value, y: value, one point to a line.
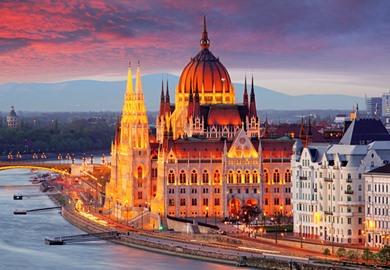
x: 22, y: 238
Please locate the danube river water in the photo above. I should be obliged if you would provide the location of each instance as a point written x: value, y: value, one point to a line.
x: 22, y: 238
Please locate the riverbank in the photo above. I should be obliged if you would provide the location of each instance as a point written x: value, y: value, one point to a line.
x: 213, y: 249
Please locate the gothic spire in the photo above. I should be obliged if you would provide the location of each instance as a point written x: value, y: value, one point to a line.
x: 138, y: 82
x: 129, y: 86
x: 162, y: 101
x: 204, y: 41
x: 245, y: 94
x: 252, y: 107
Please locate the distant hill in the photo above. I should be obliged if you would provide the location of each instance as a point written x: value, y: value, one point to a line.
x: 88, y: 95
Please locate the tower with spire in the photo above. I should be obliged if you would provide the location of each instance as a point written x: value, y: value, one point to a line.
x: 130, y: 154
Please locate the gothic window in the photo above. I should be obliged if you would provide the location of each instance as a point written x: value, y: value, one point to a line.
x: 194, y: 202
x: 230, y: 177
x: 139, y: 172
x: 255, y: 176
x: 276, y: 176
x: 182, y: 202
x: 266, y: 176
x: 238, y: 177
x: 171, y: 202
x: 182, y: 177
x: 287, y: 176
x: 247, y: 177
x: 216, y: 201
x: 171, y: 177
x: 205, y: 177
x: 139, y: 195
x: 217, y: 177
x: 206, y: 201
x: 194, y: 177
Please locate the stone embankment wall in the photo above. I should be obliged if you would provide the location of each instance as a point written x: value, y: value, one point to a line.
x: 178, y: 247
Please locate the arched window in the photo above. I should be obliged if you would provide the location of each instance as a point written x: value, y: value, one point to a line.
x: 238, y: 177
x: 349, y: 232
x: 360, y: 187
x: 217, y: 177
x: 266, y: 176
x: 230, y: 177
x: 349, y: 176
x: 194, y: 177
x: 287, y: 176
x: 247, y: 177
x: 276, y: 176
x: 139, y: 172
x: 205, y: 177
x: 171, y: 177
x: 255, y: 176
x: 182, y: 177
x: 359, y: 176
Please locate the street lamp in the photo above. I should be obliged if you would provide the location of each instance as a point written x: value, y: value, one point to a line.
x: 207, y: 214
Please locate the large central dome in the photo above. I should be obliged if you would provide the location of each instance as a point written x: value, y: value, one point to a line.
x: 208, y: 74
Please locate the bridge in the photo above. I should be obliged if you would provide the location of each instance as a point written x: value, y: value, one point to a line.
x: 61, y: 240
x: 61, y: 168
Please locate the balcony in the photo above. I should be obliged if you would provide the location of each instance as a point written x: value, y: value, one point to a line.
x: 348, y: 191
x: 328, y: 212
x: 328, y: 179
x: 302, y: 177
x: 349, y: 180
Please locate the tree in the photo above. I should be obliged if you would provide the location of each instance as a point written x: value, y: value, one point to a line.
x: 384, y: 254
x: 326, y: 252
x: 352, y: 254
x: 341, y: 252
x: 367, y: 255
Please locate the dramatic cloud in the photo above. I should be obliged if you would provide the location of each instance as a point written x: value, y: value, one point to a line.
x: 61, y: 40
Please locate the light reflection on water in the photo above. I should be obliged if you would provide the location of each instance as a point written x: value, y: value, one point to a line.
x: 22, y: 238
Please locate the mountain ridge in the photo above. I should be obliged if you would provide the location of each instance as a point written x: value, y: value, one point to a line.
x: 93, y: 95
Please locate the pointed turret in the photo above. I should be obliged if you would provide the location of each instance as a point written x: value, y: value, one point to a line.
x: 167, y: 100
x: 196, y: 101
x: 245, y: 94
x: 138, y: 82
x: 129, y: 86
x: 252, y: 107
x: 204, y: 41
x: 162, y: 99
x: 302, y: 134
x: 190, y: 103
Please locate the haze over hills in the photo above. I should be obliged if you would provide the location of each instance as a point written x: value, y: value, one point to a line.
x: 88, y: 95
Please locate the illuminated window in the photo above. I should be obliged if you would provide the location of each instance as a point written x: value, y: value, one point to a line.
x: 266, y: 176
x: 171, y: 177
x: 247, y: 177
x: 194, y: 177
x: 139, y: 172
x: 287, y: 176
x: 276, y: 176
x: 238, y: 177
x: 230, y: 177
x: 205, y: 177
x: 217, y: 177
x: 255, y: 176
x: 182, y: 177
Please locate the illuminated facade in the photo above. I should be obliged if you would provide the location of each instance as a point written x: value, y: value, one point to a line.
x: 328, y: 187
x: 206, y: 158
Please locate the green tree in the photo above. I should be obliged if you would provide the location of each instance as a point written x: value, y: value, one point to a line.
x: 341, y: 252
x: 367, y: 255
x: 326, y: 252
x: 384, y: 254
x: 352, y: 254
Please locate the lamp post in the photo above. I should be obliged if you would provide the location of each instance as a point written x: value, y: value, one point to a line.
x: 207, y: 214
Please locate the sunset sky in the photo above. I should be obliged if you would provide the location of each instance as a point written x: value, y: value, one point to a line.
x: 295, y: 47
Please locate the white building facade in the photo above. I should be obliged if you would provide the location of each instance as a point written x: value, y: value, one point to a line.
x: 328, y: 189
